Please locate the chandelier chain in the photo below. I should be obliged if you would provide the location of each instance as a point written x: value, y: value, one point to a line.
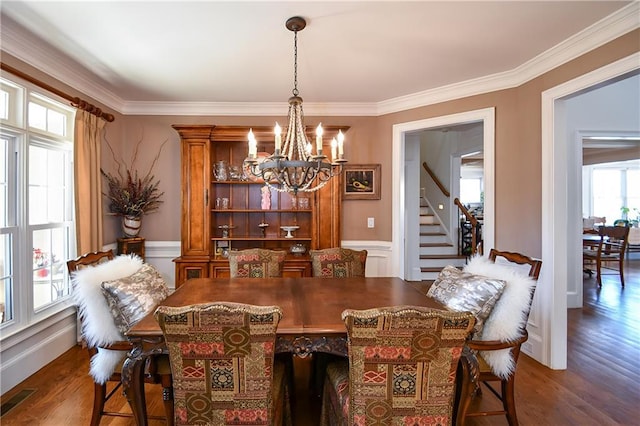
x: 295, y: 63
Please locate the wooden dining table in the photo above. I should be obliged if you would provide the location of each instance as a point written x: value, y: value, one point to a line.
x: 311, y: 321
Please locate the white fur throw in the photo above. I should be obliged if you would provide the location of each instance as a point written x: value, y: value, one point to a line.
x: 98, y: 325
x: 509, y: 314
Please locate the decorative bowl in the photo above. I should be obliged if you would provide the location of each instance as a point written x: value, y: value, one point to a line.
x: 298, y: 249
x: 289, y: 230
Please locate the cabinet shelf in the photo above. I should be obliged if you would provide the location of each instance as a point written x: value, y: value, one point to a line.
x: 258, y: 239
x: 237, y: 182
x: 260, y: 211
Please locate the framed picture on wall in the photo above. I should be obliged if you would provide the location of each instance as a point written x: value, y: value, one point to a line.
x: 361, y: 182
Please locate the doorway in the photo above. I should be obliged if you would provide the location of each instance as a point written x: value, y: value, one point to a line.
x: 559, y: 239
x: 406, y: 184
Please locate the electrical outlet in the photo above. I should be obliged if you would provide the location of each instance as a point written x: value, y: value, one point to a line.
x: 371, y: 222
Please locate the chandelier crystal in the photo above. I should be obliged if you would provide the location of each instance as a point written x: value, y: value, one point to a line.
x: 294, y: 167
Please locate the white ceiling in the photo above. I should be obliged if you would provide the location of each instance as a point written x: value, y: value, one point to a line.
x: 154, y: 52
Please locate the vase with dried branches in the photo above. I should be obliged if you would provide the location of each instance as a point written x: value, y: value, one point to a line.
x: 130, y: 194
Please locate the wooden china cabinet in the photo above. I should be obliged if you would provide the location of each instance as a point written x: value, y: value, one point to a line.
x: 226, y: 213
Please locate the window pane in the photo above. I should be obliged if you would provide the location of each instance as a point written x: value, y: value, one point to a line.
x: 607, y: 197
x: 46, y: 185
x: 470, y: 190
x: 37, y: 116
x: 48, y: 267
x: 6, y: 278
x: 56, y: 122
x: 4, y: 105
x: 4, y: 184
x: 633, y: 193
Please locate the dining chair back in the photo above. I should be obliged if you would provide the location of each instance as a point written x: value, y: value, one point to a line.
x: 609, y: 253
x: 474, y: 368
x: 156, y: 370
x: 338, y: 262
x: 256, y: 263
x: 222, y: 359
x: 401, y: 368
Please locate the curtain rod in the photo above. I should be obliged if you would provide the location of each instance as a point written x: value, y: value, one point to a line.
x: 75, y: 101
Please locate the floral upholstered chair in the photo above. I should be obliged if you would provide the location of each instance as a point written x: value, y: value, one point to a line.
x: 256, y: 263
x: 222, y: 360
x: 338, y: 262
x: 401, y: 369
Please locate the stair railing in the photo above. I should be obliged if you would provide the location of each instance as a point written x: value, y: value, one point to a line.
x: 476, y: 241
x: 436, y: 180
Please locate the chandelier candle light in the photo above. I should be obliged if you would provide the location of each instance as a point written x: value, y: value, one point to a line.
x: 293, y: 167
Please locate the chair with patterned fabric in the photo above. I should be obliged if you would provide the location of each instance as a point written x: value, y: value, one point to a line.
x: 334, y: 262
x: 256, y: 263
x: 401, y: 369
x: 222, y: 360
x: 338, y: 262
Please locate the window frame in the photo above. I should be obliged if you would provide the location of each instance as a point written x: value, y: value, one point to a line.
x: 21, y: 137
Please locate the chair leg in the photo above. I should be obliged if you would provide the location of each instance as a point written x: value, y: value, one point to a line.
x: 99, y: 394
x: 509, y: 401
x: 621, y: 266
x: 167, y: 399
x: 599, y: 273
x: 465, y: 390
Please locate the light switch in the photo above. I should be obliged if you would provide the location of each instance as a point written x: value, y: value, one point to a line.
x: 371, y: 222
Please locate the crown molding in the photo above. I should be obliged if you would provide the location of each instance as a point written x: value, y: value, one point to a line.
x: 246, y: 108
x: 26, y: 47
x: 607, y: 29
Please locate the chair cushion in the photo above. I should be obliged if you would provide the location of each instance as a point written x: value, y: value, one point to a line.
x: 338, y: 262
x: 463, y: 291
x: 131, y: 298
x: 338, y: 378
x: 256, y: 263
x: 511, y: 312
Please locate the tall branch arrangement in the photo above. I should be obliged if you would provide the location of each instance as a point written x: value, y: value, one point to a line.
x: 129, y: 193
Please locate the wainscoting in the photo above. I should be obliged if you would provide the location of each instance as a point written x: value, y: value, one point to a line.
x: 160, y: 254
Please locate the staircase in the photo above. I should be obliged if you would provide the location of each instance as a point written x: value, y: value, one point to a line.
x: 436, y: 248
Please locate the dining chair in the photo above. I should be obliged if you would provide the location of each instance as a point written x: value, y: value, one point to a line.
x: 256, y: 263
x: 106, y: 346
x: 401, y: 368
x: 493, y: 356
x: 222, y: 359
x: 338, y: 262
x: 609, y: 252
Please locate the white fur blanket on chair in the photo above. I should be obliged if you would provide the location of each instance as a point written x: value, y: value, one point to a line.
x: 509, y: 314
x: 98, y: 326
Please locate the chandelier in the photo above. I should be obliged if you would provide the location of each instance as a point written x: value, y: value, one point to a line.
x: 294, y: 167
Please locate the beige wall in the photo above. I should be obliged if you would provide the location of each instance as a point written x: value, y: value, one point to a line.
x: 517, y: 153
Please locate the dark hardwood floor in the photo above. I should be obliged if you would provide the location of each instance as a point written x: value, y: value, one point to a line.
x: 601, y: 385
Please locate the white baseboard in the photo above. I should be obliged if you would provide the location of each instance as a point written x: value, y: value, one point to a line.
x: 22, y: 359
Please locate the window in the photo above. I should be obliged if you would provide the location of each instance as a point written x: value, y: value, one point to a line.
x: 36, y: 193
x: 608, y: 187
x: 471, y: 190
